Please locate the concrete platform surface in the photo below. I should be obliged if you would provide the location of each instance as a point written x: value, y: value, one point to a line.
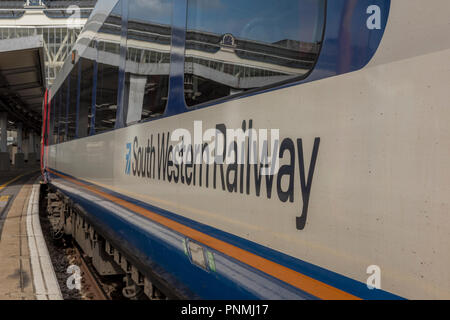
x: 17, y: 262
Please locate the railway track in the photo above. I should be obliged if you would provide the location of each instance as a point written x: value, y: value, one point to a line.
x: 92, y: 287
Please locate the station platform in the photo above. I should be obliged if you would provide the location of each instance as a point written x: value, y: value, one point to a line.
x: 26, y: 272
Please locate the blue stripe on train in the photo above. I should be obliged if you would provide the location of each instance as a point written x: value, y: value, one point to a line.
x: 331, y: 278
x: 162, y: 250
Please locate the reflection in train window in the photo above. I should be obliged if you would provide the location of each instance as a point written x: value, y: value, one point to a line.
x: 62, y: 114
x: 107, y: 83
x: 55, y: 107
x: 72, y: 118
x: 106, y: 48
x: 65, y: 110
x: 87, y: 70
x: 233, y: 46
x: 52, y: 123
x: 100, y: 61
x: 148, y: 59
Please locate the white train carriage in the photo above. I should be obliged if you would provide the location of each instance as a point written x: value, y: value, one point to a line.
x: 262, y: 149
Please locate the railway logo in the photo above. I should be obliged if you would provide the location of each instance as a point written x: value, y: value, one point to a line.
x: 128, y: 159
x: 241, y: 161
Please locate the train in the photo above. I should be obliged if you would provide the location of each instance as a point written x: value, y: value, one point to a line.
x: 243, y: 150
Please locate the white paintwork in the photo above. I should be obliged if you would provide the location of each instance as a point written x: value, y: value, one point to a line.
x: 381, y: 190
x: 44, y: 278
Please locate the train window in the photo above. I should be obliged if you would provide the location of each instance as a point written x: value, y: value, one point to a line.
x: 107, y: 83
x: 233, y: 46
x: 99, y: 64
x: 57, y: 115
x: 87, y: 69
x: 57, y: 104
x: 72, y: 118
x: 148, y: 59
x: 66, y: 104
x: 54, y: 123
x: 62, y: 114
x: 107, y: 46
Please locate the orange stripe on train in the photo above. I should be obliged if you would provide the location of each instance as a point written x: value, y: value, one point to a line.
x: 312, y: 286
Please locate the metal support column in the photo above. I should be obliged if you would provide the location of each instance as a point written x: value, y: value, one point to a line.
x: 32, y: 155
x: 4, y: 154
x: 19, y: 157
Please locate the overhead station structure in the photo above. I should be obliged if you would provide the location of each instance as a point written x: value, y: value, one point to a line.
x: 36, y: 36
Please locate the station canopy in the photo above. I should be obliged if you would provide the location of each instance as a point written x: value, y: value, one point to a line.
x: 22, y: 81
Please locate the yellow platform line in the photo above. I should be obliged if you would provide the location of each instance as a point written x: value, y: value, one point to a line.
x: 3, y: 186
